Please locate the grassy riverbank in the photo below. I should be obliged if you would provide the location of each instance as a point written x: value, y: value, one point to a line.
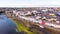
x: 20, y: 27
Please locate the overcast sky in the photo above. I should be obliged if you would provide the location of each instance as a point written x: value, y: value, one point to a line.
x: 29, y: 3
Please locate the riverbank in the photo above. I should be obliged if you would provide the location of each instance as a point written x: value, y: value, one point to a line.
x: 35, y: 29
x: 20, y: 27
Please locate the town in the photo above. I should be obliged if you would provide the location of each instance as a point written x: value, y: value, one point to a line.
x: 35, y: 20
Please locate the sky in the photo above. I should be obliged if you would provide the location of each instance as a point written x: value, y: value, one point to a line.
x: 29, y: 3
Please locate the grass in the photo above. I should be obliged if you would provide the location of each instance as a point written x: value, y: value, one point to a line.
x: 20, y: 27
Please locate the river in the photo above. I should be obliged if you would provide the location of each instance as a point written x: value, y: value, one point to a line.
x: 7, y: 26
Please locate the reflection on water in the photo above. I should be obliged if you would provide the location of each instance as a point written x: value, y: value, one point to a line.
x: 7, y: 26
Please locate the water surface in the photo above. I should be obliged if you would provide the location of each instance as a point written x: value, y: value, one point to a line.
x: 6, y: 25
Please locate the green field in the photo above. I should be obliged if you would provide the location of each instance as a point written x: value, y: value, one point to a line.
x: 21, y: 27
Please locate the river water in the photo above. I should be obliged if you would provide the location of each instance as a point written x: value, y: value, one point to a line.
x: 7, y: 26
